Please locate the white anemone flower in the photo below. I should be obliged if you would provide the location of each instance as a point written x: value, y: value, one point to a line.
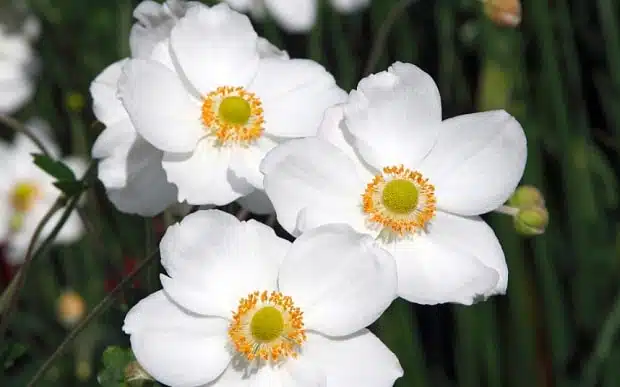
x: 294, y: 15
x: 17, y: 64
x: 243, y: 307
x: 130, y: 167
x: 215, y: 105
x: 27, y: 193
x: 386, y: 164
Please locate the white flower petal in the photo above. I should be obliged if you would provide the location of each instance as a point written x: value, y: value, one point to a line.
x: 107, y: 107
x: 257, y: 202
x: 265, y: 376
x: 204, y: 176
x: 112, y: 147
x: 477, y: 162
x: 394, y: 116
x: 293, y: 16
x: 215, y: 47
x: 340, y: 279
x: 360, y: 360
x: 160, y: 107
x: 213, y: 261
x: 268, y: 50
x: 321, y: 213
x: 174, y: 346
x: 347, y: 6
x: 147, y: 191
x: 71, y: 231
x: 295, y: 94
x: 444, y: 266
x: 300, y: 172
x: 333, y: 128
x: 245, y: 161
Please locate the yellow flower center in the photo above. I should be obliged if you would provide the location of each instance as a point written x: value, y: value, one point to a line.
x: 23, y: 196
x: 267, y: 326
x: 400, y: 196
x: 399, y: 200
x: 233, y: 115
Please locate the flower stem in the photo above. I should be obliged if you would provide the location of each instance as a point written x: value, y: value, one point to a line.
x: 507, y: 210
x: 8, y: 300
x: 20, y: 128
x: 384, y: 32
x: 603, y: 346
x: 101, y: 307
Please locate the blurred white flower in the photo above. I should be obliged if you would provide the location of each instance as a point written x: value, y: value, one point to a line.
x: 27, y: 193
x: 293, y: 15
x: 215, y: 104
x: 17, y: 66
x: 386, y: 164
x: 240, y: 306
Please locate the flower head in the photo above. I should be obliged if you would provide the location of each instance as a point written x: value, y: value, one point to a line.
x: 27, y: 193
x: 215, y: 100
x: 293, y: 15
x: 264, y: 311
x: 385, y: 163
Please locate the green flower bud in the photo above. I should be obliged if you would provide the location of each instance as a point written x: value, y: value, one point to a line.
x: 527, y: 196
x: 531, y: 221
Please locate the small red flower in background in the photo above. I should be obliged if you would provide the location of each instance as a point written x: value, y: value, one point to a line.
x: 129, y: 264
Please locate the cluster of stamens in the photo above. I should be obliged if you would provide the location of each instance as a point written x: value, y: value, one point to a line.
x: 267, y: 326
x: 233, y: 115
x: 400, y: 200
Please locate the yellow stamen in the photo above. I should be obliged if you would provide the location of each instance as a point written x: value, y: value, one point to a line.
x: 267, y: 326
x: 400, y: 200
x: 23, y: 196
x: 233, y: 115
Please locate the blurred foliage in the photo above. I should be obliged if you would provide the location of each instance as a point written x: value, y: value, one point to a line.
x: 558, y: 73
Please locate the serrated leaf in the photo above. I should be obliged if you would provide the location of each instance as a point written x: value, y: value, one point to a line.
x: 70, y: 188
x: 54, y: 168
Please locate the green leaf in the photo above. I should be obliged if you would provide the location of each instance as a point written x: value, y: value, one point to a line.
x: 115, y: 360
x: 10, y: 353
x: 70, y: 188
x: 55, y: 168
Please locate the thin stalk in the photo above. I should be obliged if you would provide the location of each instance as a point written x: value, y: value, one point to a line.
x: 18, y: 127
x: 101, y: 307
x: 10, y: 297
x: 380, y: 41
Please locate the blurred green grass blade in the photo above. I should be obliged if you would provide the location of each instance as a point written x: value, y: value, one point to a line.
x: 489, y: 343
x: 467, y: 351
x: 609, y: 13
x: 398, y: 330
x: 347, y: 67
x: 379, y: 11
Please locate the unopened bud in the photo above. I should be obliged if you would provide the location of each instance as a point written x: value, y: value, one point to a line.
x: 531, y: 221
x: 135, y: 375
x: 505, y: 13
x: 75, y: 101
x: 70, y: 308
x: 527, y: 196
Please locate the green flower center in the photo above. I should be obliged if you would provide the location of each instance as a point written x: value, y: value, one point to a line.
x: 400, y: 196
x: 235, y: 110
x: 23, y: 196
x: 267, y: 324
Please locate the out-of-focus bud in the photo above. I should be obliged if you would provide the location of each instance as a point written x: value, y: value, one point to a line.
x: 527, y: 196
x: 70, y: 308
x: 531, y: 221
x: 75, y: 101
x: 505, y: 13
x: 135, y: 375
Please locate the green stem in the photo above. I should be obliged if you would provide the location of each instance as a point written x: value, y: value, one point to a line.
x: 10, y: 296
x: 603, y: 346
x: 101, y: 307
x: 18, y: 127
x: 384, y: 32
